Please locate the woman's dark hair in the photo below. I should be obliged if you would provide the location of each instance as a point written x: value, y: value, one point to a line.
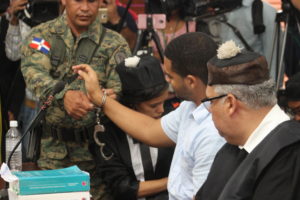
x: 189, y: 54
x: 171, y: 5
x: 131, y: 100
x: 166, y: 7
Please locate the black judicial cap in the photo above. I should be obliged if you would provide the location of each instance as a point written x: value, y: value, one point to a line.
x: 231, y: 65
x: 138, y: 74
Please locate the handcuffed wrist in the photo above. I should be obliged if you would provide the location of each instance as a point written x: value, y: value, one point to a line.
x: 103, y: 99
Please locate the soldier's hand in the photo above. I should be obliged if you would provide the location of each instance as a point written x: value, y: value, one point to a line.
x: 77, y: 104
x: 91, y: 82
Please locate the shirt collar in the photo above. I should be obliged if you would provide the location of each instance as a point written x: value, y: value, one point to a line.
x: 200, y: 113
x: 61, y: 27
x: 247, y: 3
x: 94, y: 30
x: 274, y: 117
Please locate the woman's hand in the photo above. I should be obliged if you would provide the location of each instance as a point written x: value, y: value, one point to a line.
x: 90, y: 78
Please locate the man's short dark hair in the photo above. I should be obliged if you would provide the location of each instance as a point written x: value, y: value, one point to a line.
x: 291, y: 91
x: 189, y: 54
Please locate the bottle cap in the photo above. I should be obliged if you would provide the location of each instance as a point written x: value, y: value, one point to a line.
x: 13, y: 123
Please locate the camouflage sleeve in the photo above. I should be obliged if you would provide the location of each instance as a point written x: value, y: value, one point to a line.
x: 35, y: 66
x: 121, y: 52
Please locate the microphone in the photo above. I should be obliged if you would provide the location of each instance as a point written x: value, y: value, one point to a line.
x: 59, y: 86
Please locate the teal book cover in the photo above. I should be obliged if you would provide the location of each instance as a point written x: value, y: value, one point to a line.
x: 70, y: 179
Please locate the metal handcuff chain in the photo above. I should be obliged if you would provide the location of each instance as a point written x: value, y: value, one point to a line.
x: 99, y: 128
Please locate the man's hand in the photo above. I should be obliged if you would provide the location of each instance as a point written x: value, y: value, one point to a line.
x: 91, y: 82
x: 14, y: 7
x: 296, y: 3
x: 11, y: 116
x: 77, y: 104
x: 112, y: 11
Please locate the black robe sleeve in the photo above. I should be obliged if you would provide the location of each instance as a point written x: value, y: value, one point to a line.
x: 270, y: 172
x: 225, y: 163
x: 281, y: 179
x: 117, y: 173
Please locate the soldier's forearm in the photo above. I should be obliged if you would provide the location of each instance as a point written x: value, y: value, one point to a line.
x: 39, y: 83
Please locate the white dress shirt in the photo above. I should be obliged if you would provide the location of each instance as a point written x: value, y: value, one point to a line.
x: 197, y: 142
x: 275, y: 117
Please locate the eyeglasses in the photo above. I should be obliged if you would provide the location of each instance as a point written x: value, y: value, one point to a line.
x: 207, y: 101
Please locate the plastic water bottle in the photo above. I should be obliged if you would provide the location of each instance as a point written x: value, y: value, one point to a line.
x: 13, y: 136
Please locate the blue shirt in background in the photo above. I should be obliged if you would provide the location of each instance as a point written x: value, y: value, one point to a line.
x: 262, y: 43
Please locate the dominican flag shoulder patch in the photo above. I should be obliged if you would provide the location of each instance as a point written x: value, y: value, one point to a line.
x: 40, y: 45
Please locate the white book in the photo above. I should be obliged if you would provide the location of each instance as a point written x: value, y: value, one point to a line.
x: 85, y: 195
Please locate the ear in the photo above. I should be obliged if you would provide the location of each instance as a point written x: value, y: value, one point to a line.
x: 190, y: 80
x: 231, y: 104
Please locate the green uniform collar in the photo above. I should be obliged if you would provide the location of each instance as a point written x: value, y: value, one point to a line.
x: 61, y: 28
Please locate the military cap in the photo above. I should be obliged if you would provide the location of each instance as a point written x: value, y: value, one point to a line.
x: 231, y: 65
x: 139, y: 74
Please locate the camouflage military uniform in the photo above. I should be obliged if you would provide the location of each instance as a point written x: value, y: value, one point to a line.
x: 41, y: 76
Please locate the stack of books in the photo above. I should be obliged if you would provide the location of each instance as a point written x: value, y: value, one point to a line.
x: 60, y: 184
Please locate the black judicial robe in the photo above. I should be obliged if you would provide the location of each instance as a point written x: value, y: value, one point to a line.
x: 270, y: 171
x: 118, y: 174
